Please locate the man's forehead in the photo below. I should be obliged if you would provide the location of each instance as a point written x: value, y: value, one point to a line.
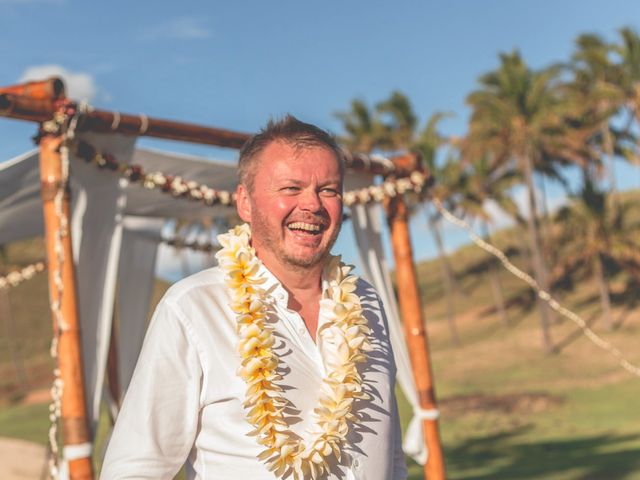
x: 289, y: 149
x: 278, y: 154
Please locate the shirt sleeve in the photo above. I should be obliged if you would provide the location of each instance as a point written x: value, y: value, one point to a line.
x: 158, y: 422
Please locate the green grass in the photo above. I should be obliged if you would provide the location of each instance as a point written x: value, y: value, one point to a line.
x: 26, y: 422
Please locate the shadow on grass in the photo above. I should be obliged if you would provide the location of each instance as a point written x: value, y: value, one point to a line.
x: 506, y: 456
x: 576, y: 334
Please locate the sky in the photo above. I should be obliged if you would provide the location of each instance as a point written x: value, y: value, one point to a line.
x: 234, y: 65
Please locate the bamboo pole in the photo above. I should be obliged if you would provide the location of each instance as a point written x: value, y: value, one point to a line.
x: 414, y: 324
x: 74, y: 417
x: 49, y: 89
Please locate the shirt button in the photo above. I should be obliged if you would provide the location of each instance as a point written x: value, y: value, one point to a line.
x: 302, y: 330
x: 356, y: 464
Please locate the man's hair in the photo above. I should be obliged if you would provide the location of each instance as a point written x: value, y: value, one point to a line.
x: 289, y: 130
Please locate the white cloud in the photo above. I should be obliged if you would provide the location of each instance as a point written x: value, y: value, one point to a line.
x: 80, y: 86
x: 179, y: 28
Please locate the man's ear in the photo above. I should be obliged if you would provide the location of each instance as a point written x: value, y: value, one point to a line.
x: 243, y: 203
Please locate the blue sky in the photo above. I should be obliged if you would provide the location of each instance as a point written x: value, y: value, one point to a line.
x: 235, y: 64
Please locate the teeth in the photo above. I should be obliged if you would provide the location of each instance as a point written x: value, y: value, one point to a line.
x: 309, y: 227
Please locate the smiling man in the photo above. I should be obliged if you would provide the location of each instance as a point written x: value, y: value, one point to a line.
x: 276, y: 363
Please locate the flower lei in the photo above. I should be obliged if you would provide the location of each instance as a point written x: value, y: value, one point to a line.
x: 285, y: 453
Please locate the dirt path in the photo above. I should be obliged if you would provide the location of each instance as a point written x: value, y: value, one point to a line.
x: 22, y: 460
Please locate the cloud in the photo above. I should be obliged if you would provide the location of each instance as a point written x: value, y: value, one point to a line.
x: 179, y: 28
x: 80, y: 85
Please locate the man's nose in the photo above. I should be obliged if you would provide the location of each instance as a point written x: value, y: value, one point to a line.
x: 310, y: 200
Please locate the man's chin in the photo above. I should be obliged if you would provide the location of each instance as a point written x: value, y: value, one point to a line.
x: 307, y: 261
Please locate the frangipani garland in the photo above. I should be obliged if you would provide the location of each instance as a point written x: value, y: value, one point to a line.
x: 284, y: 452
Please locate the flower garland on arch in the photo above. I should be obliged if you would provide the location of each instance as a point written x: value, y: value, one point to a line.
x: 179, y: 187
x: 284, y: 452
x: 16, y: 277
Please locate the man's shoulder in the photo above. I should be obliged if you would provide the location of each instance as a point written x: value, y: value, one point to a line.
x: 210, y: 278
x: 368, y: 294
x: 364, y: 287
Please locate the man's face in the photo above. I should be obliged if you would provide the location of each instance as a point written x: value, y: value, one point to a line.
x: 295, y: 206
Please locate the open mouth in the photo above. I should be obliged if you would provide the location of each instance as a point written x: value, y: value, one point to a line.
x: 306, y: 228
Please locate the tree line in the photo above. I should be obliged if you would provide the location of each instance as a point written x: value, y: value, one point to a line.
x: 527, y: 125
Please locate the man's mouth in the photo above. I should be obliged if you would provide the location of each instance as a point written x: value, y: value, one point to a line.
x: 311, y: 228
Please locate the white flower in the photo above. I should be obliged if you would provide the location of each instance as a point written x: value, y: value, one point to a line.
x: 349, y: 198
x: 377, y: 193
x: 417, y: 178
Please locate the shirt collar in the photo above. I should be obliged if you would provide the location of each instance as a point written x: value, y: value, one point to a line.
x: 274, y: 288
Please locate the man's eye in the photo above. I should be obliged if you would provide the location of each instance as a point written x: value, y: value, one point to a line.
x: 329, y: 192
x: 290, y: 189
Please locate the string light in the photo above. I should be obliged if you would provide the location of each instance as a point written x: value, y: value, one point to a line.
x: 543, y: 294
x: 178, y: 187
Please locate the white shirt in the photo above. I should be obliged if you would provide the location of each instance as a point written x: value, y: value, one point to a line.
x: 185, y: 398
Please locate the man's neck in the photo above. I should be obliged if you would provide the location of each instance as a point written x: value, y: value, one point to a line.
x: 303, y: 281
x: 304, y: 286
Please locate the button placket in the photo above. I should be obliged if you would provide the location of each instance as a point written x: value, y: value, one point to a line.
x: 356, y: 468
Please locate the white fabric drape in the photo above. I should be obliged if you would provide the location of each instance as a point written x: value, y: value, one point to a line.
x: 20, y: 203
x: 96, y: 230
x: 135, y: 286
x: 367, y: 230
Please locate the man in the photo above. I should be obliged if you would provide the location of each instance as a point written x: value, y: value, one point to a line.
x: 276, y: 363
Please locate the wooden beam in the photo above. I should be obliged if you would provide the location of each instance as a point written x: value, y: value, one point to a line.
x: 39, y: 101
x: 74, y: 412
x: 414, y: 323
x: 41, y: 110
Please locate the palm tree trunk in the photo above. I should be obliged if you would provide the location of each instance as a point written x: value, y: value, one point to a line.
x: 536, y: 254
x: 605, y: 299
x: 610, y: 160
x: 496, y: 286
x: 449, y: 280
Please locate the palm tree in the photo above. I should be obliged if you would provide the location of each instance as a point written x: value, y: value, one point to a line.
x: 628, y: 81
x: 363, y: 130
x: 399, y: 122
x: 596, y: 95
x: 480, y: 181
x: 629, y: 71
x: 592, y: 235
x: 517, y: 119
x: 393, y: 127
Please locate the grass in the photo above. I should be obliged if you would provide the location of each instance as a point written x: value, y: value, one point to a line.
x: 26, y: 422
x: 509, y: 411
